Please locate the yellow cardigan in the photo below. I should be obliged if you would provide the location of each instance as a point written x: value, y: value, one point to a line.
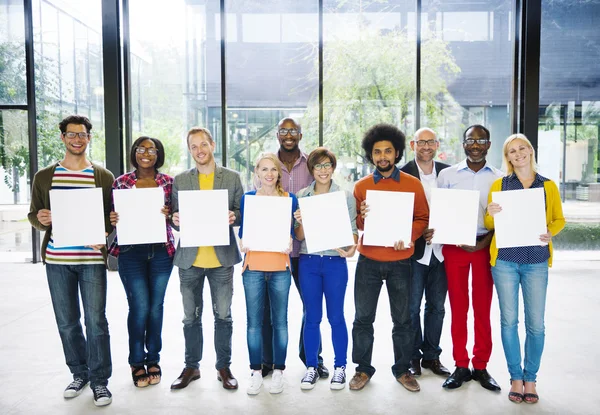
x: 554, y: 215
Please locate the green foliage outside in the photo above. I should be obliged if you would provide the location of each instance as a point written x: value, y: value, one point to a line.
x: 578, y: 236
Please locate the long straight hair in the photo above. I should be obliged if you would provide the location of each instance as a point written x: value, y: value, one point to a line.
x: 277, y: 163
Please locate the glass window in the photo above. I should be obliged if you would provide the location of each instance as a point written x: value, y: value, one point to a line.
x: 369, y: 77
x: 465, y: 80
x: 569, y: 121
x: 13, y: 85
x: 274, y: 76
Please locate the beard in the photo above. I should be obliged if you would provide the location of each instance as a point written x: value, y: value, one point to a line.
x: 480, y: 159
x: 385, y: 169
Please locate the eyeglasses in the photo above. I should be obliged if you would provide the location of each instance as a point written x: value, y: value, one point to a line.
x: 470, y: 141
x: 293, y: 131
x: 423, y: 143
x: 71, y: 134
x: 151, y: 151
x: 322, y: 166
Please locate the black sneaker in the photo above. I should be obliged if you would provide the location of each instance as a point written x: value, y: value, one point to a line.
x: 310, y: 379
x: 323, y: 371
x: 338, y: 380
x: 75, y: 388
x: 102, y: 395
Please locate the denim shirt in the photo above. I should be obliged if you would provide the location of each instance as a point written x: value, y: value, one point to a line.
x: 351, y: 202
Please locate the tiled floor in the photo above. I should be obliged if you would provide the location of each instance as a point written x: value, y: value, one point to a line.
x: 34, y: 374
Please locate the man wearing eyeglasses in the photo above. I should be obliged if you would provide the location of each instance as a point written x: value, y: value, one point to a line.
x: 427, y: 265
x: 296, y: 176
x: 77, y: 269
x: 215, y: 264
x: 473, y: 173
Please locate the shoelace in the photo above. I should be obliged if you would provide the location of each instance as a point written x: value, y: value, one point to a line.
x: 101, y: 391
x: 76, y: 384
x: 338, y: 375
x: 310, y: 375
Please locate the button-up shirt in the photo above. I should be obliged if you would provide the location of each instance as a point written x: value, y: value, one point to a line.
x: 350, y: 201
x: 378, y: 176
x: 460, y: 176
x: 429, y: 181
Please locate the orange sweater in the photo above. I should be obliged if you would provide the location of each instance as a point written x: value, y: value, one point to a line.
x: 407, y: 184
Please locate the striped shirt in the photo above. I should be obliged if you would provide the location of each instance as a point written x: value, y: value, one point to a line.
x: 72, y: 255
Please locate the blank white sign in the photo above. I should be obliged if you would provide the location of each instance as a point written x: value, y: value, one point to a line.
x: 453, y: 214
x: 203, y: 218
x: 523, y: 218
x: 326, y: 222
x: 140, y: 218
x: 390, y: 218
x: 267, y: 223
x: 77, y: 217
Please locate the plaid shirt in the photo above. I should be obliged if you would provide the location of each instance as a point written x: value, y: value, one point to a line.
x: 128, y: 181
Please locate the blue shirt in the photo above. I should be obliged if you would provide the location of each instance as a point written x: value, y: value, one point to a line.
x: 460, y: 176
x: 310, y: 191
x: 524, y: 254
x: 395, y: 175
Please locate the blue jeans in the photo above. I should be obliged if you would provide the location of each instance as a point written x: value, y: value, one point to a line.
x: 277, y: 283
x: 369, y: 278
x: 431, y: 280
x: 533, y: 279
x: 324, y: 275
x: 87, y: 357
x: 145, y: 271
x: 220, y: 280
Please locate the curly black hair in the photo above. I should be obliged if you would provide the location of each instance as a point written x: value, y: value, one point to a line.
x: 384, y: 132
x: 479, y: 126
x: 160, y: 155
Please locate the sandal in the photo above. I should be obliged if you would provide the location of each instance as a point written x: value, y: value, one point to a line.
x: 139, y: 376
x: 515, y: 397
x: 154, y: 375
x: 531, y: 397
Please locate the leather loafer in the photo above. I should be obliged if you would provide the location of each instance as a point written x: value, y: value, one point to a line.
x: 187, y: 375
x: 359, y: 380
x: 436, y: 367
x: 322, y: 371
x: 225, y: 376
x: 409, y: 382
x: 415, y: 367
x: 485, y: 379
x: 456, y: 379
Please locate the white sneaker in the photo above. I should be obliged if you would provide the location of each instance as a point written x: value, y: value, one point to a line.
x: 338, y: 380
x: 277, y: 381
x: 256, y: 381
x: 310, y: 379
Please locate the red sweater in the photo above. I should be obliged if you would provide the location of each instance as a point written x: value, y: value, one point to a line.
x: 407, y: 184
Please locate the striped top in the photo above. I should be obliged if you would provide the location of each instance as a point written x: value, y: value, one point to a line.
x: 72, y: 255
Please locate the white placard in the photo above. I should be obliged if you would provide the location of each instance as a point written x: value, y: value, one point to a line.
x: 453, y: 214
x: 140, y: 218
x: 267, y: 223
x: 390, y: 218
x: 326, y: 222
x: 523, y: 218
x: 77, y: 217
x: 203, y: 217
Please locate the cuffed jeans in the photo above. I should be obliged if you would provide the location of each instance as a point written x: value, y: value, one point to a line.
x: 369, y: 278
x: 533, y: 279
x: 145, y: 270
x: 324, y: 275
x: 220, y: 280
x: 87, y: 357
x: 430, y: 279
x: 277, y: 283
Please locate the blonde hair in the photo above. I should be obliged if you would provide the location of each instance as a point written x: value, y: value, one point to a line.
x: 277, y: 163
x: 507, y: 164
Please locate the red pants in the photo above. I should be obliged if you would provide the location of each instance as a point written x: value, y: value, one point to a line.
x: 457, y: 263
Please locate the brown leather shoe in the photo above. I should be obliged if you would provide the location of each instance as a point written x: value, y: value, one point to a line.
x: 187, y: 375
x: 359, y: 380
x: 409, y: 382
x: 436, y: 367
x: 415, y: 367
x: 225, y: 376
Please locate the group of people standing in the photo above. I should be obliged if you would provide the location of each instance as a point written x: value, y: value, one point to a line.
x: 410, y: 269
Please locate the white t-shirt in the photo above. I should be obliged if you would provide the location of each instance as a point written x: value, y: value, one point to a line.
x: 429, y: 181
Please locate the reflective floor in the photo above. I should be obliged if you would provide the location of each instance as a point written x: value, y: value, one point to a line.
x: 34, y: 374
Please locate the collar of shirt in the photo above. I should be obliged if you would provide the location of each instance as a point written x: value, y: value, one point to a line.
x: 395, y: 175
x: 310, y: 190
x: 421, y: 173
x: 464, y: 166
x: 538, y: 181
x: 303, y: 157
